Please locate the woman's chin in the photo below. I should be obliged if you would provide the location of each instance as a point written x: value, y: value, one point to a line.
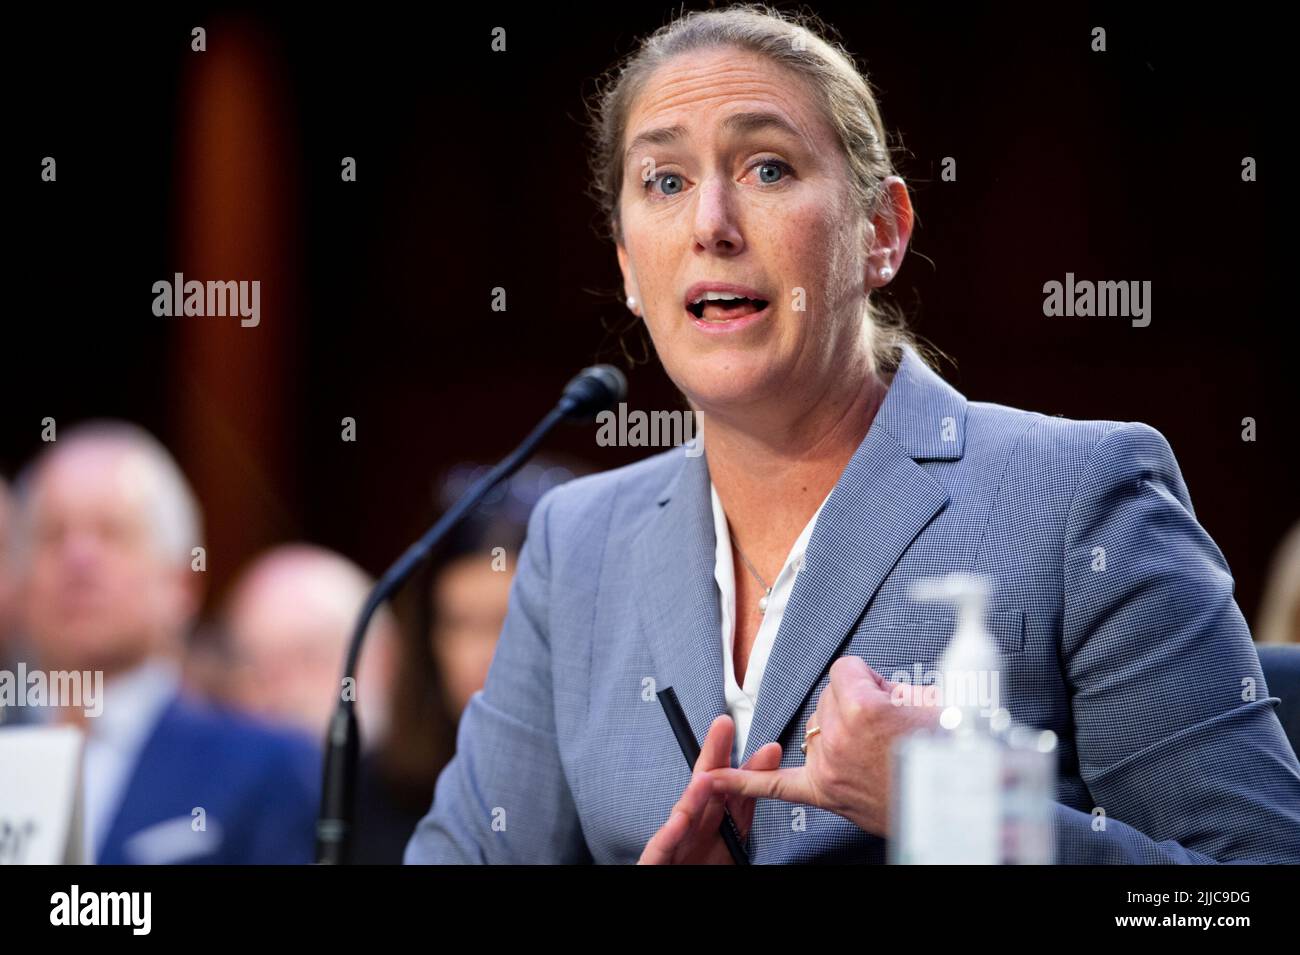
x: 719, y: 387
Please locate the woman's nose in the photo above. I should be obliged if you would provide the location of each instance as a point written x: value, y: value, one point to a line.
x: 717, y: 228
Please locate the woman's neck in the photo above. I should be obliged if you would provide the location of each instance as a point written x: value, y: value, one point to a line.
x: 771, y: 475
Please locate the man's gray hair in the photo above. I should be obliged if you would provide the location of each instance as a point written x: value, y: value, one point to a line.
x: 174, y: 511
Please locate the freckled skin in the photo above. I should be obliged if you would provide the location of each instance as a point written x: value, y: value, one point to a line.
x: 786, y: 398
x: 727, y: 224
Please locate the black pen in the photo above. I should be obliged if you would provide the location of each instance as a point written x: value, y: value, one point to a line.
x: 691, y: 750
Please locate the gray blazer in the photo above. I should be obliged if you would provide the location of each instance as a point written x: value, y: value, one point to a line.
x: 1170, y: 749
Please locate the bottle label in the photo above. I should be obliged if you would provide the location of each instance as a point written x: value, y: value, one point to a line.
x: 950, y: 811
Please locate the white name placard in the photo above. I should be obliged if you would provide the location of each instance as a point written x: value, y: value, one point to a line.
x: 40, y: 795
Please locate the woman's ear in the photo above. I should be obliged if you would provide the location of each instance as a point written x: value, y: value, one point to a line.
x: 889, y: 230
x: 629, y: 280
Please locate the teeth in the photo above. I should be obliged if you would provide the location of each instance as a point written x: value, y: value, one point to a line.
x: 718, y: 297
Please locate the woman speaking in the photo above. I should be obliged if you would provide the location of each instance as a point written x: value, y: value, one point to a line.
x: 742, y: 165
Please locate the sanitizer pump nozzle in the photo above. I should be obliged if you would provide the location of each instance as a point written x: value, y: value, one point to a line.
x: 980, y: 788
x: 970, y: 668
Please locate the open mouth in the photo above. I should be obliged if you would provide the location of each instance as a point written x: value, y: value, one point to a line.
x: 726, y: 309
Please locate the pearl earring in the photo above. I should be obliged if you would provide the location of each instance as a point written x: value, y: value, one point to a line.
x: 631, y: 303
x: 886, y: 270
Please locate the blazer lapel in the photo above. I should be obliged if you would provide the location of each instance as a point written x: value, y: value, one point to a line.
x: 677, y: 597
x: 881, y: 502
x: 152, y: 774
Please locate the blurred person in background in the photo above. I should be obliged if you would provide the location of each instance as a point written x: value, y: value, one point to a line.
x: 282, y: 637
x: 6, y: 575
x: 10, y: 653
x: 457, y: 604
x: 1279, y: 615
x: 105, y: 530
x: 277, y: 652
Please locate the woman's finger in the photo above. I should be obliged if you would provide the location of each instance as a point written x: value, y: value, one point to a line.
x: 880, y: 680
x: 659, y: 850
x: 716, y: 751
x: 849, y: 673
x: 825, y: 703
x: 790, y: 784
x: 824, y: 717
x: 683, y: 821
x: 767, y: 757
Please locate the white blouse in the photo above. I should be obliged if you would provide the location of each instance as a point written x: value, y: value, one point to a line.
x: 741, y: 700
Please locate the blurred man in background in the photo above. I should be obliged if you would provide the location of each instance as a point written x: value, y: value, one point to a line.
x: 6, y: 575
x: 277, y: 651
x: 284, y: 632
x: 106, y: 533
x: 10, y: 653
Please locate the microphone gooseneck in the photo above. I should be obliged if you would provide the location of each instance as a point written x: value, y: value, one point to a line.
x: 591, y: 391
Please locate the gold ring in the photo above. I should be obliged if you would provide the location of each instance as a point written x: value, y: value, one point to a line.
x: 809, y: 734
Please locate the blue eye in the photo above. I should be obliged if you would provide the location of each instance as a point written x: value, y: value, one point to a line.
x: 770, y: 165
x: 666, y: 178
x: 770, y: 171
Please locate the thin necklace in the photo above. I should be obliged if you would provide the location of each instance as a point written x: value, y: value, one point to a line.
x: 767, y: 591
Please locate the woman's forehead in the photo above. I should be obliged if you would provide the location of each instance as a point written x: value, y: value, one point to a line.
x: 699, y: 90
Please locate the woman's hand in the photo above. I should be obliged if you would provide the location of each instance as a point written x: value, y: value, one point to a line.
x: 691, y: 836
x: 848, y: 767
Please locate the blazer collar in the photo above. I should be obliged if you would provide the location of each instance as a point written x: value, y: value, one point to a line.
x: 881, y: 502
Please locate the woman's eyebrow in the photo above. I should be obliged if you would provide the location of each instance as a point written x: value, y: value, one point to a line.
x: 653, y: 137
x: 741, y: 124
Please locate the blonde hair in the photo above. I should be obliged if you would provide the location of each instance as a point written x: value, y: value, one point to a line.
x: 1280, y: 606
x: 802, y: 43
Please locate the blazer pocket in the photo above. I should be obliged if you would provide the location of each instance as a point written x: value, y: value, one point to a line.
x: 919, y: 636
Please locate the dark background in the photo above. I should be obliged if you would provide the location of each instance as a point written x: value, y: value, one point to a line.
x: 1122, y: 165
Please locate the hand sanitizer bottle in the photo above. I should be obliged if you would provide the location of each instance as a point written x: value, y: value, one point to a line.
x: 979, y: 789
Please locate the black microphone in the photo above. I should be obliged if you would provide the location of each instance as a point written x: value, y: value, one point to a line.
x: 591, y: 391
